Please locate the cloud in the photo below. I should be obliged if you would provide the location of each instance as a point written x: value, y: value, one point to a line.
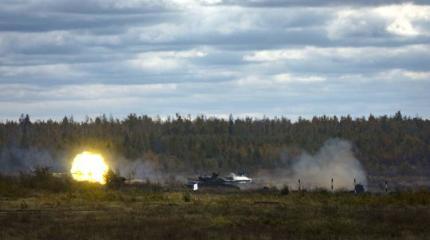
x: 217, y: 57
x: 340, y: 60
x: 278, y: 80
x: 287, y: 78
x: 54, y: 70
x: 417, y: 75
x: 314, y: 3
x: 165, y: 60
x: 402, y: 18
x: 275, y: 55
x: 405, y: 20
x: 404, y: 75
x: 25, y: 93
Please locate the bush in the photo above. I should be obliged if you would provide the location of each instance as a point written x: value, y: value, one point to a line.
x: 42, y: 179
x: 285, y: 190
x: 113, y: 180
x: 187, y: 197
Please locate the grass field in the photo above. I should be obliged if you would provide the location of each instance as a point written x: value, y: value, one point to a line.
x: 86, y: 211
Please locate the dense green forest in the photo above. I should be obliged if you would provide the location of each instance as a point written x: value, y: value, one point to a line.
x: 386, y: 144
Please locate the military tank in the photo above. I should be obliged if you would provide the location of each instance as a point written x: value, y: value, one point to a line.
x: 215, y: 181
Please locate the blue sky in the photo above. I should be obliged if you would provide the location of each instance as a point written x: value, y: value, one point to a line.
x: 215, y: 57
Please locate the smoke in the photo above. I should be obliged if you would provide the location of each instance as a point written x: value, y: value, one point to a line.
x: 14, y: 160
x: 334, y: 159
x: 144, y: 170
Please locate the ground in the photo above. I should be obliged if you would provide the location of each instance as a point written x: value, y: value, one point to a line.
x: 100, y: 213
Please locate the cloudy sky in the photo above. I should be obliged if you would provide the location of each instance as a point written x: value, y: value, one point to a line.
x: 215, y: 57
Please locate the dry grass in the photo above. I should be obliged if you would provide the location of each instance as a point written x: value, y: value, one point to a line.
x: 89, y: 211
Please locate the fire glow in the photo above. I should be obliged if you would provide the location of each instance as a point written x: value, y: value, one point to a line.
x: 88, y: 166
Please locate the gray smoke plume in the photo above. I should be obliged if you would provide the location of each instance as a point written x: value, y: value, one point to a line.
x: 334, y: 160
x: 14, y: 160
x: 142, y: 170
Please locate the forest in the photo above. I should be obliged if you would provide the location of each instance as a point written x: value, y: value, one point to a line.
x: 388, y: 145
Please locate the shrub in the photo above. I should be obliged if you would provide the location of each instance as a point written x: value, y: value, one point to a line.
x: 42, y: 179
x: 285, y: 190
x: 187, y: 197
x: 113, y: 180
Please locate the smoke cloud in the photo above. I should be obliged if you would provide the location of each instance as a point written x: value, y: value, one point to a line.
x: 145, y: 170
x: 334, y: 159
x: 14, y: 160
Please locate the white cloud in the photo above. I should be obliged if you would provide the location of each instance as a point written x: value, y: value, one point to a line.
x: 417, y: 75
x: 352, y: 54
x: 144, y: 4
x: 401, y: 74
x: 196, y: 2
x: 159, y: 33
x: 199, y: 22
x: 278, y: 80
x: 276, y: 55
x: 254, y: 59
x: 403, y: 27
x: 401, y: 20
x: 352, y: 23
x: 99, y: 91
x: 166, y: 60
x: 12, y: 42
x: 288, y: 78
x: 24, y: 92
x: 50, y: 70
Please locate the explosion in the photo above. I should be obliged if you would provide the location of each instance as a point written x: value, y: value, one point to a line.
x: 89, y: 167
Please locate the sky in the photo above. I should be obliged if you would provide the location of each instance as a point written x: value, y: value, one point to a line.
x: 257, y: 58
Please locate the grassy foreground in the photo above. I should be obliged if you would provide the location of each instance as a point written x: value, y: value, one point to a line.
x: 86, y: 211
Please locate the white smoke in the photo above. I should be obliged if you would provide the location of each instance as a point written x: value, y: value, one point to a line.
x: 334, y: 160
x: 14, y: 160
x: 142, y: 170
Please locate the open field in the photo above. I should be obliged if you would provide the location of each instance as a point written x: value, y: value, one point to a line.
x: 95, y: 212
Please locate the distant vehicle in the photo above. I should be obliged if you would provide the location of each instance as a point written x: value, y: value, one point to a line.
x: 359, y: 188
x: 135, y: 181
x: 239, y: 179
x: 231, y: 181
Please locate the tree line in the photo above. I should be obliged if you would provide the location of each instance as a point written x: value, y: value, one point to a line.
x: 393, y: 144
